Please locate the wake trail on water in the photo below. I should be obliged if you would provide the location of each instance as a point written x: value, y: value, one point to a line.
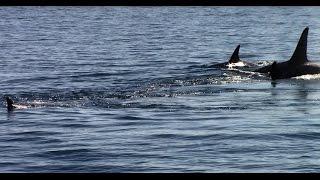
x: 131, y: 95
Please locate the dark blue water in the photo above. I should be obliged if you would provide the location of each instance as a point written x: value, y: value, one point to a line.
x: 126, y: 89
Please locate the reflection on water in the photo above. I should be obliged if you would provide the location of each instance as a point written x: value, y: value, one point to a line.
x: 130, y: 89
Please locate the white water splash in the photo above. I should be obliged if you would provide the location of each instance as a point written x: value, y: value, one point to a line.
x: 20, y: 106
x: 264, y: 63
x: 308, y: 77
x: 238, y: 64
x: 234, y: 79
x: 38, y: 102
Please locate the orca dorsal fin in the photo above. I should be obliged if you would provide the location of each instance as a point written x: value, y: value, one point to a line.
x: 300, y: 53
x: 9, y: 104
x: 235, y: 56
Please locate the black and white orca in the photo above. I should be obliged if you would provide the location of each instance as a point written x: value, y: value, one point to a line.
x: 297, y: 65
x: 234, y: 61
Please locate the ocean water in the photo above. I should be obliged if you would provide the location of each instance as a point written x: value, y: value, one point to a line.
x: 128, y: 89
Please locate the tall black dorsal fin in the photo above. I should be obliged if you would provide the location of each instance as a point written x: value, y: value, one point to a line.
x: 9, y: 104
x: 300, y: 53
x: 235, y: 56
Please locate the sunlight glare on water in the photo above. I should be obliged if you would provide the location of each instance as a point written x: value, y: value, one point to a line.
x: 128, y: 89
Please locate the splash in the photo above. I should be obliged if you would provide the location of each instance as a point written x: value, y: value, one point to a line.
x: 20, y: 106
x: 264, y: 63
x: 233, y: 79
x: 238, y: 64
x: 308, y: 77
x: 32, y: 104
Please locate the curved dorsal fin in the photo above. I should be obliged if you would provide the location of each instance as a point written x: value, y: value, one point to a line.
x: 300, y: 53
x: 235, y: 56
x: 9, y: 104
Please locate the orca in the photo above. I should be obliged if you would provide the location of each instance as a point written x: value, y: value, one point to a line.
x: 234, y: 61
x: 297, y: 65
x: 12, y: 106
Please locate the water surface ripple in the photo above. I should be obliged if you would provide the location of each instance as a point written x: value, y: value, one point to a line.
x: 128, y: 89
